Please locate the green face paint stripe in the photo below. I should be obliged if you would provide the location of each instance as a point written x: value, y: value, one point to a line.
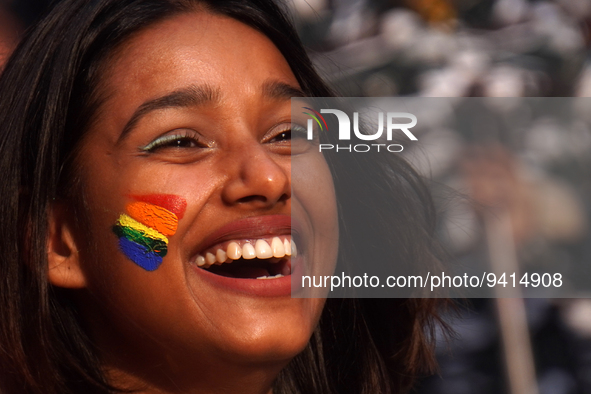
x: 154, y: 245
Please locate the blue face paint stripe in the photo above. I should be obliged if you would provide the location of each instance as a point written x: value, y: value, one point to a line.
x: 139, y: 254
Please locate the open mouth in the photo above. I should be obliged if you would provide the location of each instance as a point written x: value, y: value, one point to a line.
x: 260, y: 258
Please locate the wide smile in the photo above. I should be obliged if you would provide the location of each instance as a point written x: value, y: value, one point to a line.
x: 255, y: 255
x: 260, y: 258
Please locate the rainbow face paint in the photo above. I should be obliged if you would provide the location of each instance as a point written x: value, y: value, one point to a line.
x: 144, y: 228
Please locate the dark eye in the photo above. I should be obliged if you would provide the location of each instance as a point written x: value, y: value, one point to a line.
x: 182, y: 143
x: 288, y: 132
x: 283, y: 136
x: 289, y: 138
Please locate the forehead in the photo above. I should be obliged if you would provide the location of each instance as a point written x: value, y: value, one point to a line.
x: 194, y: 49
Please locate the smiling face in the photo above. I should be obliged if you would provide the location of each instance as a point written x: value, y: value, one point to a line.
x: 197, y: 111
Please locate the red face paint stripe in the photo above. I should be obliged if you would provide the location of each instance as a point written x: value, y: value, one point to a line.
x: 174, y: 204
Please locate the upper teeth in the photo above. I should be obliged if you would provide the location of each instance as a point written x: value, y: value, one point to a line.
x: 261, y: 250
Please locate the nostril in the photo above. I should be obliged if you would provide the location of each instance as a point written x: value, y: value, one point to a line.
x: 261, y: 199
x: 255, y: 198
x: 284, y: 197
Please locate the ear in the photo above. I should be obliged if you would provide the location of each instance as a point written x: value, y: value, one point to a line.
x: 63, y: 255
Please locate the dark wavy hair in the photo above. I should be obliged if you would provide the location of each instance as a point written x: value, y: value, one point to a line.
x: 48, y: 98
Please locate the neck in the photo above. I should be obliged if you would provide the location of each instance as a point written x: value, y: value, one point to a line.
x: 196, y: 378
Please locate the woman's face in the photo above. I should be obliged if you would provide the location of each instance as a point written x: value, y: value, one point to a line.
x: 197, y: 110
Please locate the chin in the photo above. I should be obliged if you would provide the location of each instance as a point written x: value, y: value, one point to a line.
x: 271, y: 339
x: 275, y: 349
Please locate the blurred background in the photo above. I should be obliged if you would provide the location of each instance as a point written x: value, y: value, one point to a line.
x: 539, y: 180
x: 449, y: 48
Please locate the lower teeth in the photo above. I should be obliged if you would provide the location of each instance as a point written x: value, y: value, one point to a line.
x: 270, y: 277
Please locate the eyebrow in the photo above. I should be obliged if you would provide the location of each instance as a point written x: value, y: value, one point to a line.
x: 195, y: 95
x: 279, y: 90
x: 190, y: 96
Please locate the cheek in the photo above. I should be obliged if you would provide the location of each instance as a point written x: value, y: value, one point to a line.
x: 137, y: 209
x: 313, y: 185
x: 314, y: 189
x: 131, y: 221
x: 130, y: 304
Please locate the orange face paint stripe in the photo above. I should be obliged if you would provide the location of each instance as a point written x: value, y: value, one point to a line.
x: 158, y: 218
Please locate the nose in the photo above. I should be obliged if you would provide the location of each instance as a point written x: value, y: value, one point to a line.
x: 257, y: 178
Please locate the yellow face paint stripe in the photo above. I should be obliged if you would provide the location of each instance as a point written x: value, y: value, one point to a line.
x: 127, y: 221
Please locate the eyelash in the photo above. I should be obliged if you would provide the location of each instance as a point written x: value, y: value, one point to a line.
x: 174, y: 141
